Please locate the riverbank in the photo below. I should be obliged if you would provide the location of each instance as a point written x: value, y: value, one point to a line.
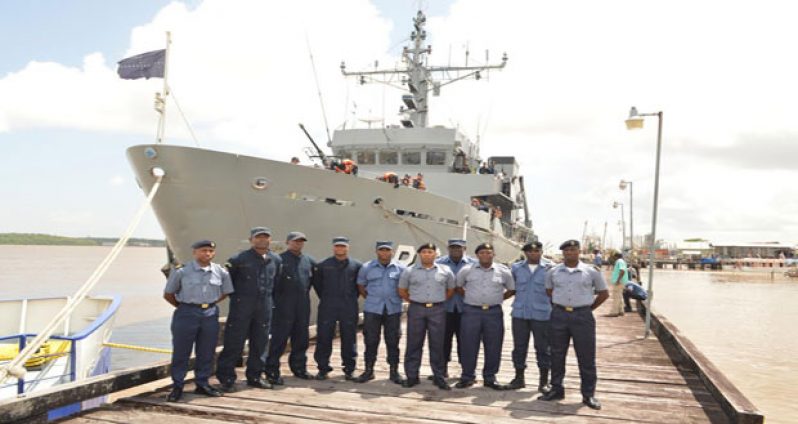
x: 36, y: 239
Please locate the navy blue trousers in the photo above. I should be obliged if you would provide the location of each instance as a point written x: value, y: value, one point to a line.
x: 289, y: 324
x: 193, y: 328
x: 540, y: 332
x: 346, y: 318
x: 580, y: 326
x: 372, y: 325
x: 452, y: 330
x: 485, y: 326
x: 250, y: 318
x: 421, y: 322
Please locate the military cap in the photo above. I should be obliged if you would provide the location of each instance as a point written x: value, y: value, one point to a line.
x: 457, y: 242
x: 203, y: 243
x: 532, y: 245
x: 340, y: 241
x: 569, y: 243
x: 256, y: 231
x: 428, y: 245
x: 483, y: 246
x: 384, y: 245
x: 295, y: 235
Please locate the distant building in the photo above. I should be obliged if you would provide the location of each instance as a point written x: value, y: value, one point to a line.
x: 694, y: 249
x: 764, y: 250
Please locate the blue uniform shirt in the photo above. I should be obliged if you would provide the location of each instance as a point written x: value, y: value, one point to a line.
x: 455, y: 303
x: 531, y: 300
x: 574, y: 287
x: 381, y: 282
x: 197, y: 285
x: 335, y: 282
x: 252, y: 273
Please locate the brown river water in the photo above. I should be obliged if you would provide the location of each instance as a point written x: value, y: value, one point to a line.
x: 747, y: 326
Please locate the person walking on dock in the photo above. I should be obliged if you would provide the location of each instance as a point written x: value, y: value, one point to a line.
x: 531, y: 314
x: 456, y: 260
x: 484, y: 286
x: 336, y: 285
x: 426, y: 286
x: 377, y: 281
x: 194, y: 290
x: 291, y: 310
x: 618, y: 280
x: 571, y: 286
x: 252, y: 272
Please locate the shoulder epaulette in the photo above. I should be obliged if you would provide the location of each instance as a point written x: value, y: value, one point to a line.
x: 178, y: 266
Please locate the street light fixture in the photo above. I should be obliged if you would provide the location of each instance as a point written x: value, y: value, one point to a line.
x: 635, y: 121
x: 622, y: 186
x: 615, y: 205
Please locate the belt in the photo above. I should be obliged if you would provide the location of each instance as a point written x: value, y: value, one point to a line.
x: 427, y: 304
x: 573, y: 308
x: 200, y: 305
x: 484, y: 307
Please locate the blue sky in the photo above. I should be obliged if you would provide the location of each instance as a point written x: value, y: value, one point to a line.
x: 723, y: 76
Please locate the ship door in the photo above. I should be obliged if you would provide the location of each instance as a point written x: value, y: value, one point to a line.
x: 405, y: 255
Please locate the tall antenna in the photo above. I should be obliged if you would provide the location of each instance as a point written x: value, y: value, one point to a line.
x: 318, y: 89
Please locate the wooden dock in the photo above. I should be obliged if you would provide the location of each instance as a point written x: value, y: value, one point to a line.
x: 639, y: 382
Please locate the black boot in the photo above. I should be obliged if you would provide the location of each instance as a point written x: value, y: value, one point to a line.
x: 368, y: 374
x: 394, y: 375
x: 518, y: 382
x: 543, y: 384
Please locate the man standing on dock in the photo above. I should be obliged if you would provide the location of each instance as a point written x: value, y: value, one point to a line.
x: 377, y: 281
x: 426, y: 285
x: 336, y: 285
x: 484, y: 286
x: 619, y: 279
x: 194, y: 291
x: 531, y: 314
x: 253, y: 272
x: 291, y: 311
x: 456, y: 260
x: 571, y: 286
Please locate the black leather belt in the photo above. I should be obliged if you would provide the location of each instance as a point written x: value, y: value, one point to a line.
x: 200, y: 305
x: 572, y: 308
x: 427, y: 304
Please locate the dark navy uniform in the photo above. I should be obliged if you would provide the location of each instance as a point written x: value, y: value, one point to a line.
x: 426, y: 316
x: 336, y: 285
x: 291, y: 317
x: 483, y: 320
x: 250, y: 316
x: 195, y: 322
x: 572, y: 317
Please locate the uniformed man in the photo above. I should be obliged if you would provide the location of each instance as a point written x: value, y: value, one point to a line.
x: 377, y: 281
x: 253, y: 272
x: 531, y: 314
x: 455, y: 260
x: 336, y: 285
x: 571, y: 286
x: 291, y: 310
x: 426, y: 285
x: 484, y: 286
x: 194, y: 290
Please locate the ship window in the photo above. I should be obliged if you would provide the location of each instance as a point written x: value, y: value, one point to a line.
x: 436, y: 158
x: 344, y: 154
x: 411, y: 158
x: 366, y: 157
x: 389, y: 157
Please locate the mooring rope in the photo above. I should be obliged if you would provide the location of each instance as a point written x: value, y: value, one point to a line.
x: 16, y: 367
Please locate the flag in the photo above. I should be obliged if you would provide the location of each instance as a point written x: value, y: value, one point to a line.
x: 146, y: 65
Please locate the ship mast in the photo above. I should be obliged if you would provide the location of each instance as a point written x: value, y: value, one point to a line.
x: 419, y: 77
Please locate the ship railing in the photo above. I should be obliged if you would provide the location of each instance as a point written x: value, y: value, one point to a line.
x: 21, y: 383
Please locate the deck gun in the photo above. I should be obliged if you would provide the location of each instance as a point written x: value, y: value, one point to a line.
x: 324, y: 159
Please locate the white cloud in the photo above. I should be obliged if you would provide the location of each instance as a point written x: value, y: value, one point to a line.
x: 722, y: 73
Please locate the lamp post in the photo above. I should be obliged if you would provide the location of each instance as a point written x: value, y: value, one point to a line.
x: 622, y: 186
x: 635, y: 121
x: 615, y: 205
